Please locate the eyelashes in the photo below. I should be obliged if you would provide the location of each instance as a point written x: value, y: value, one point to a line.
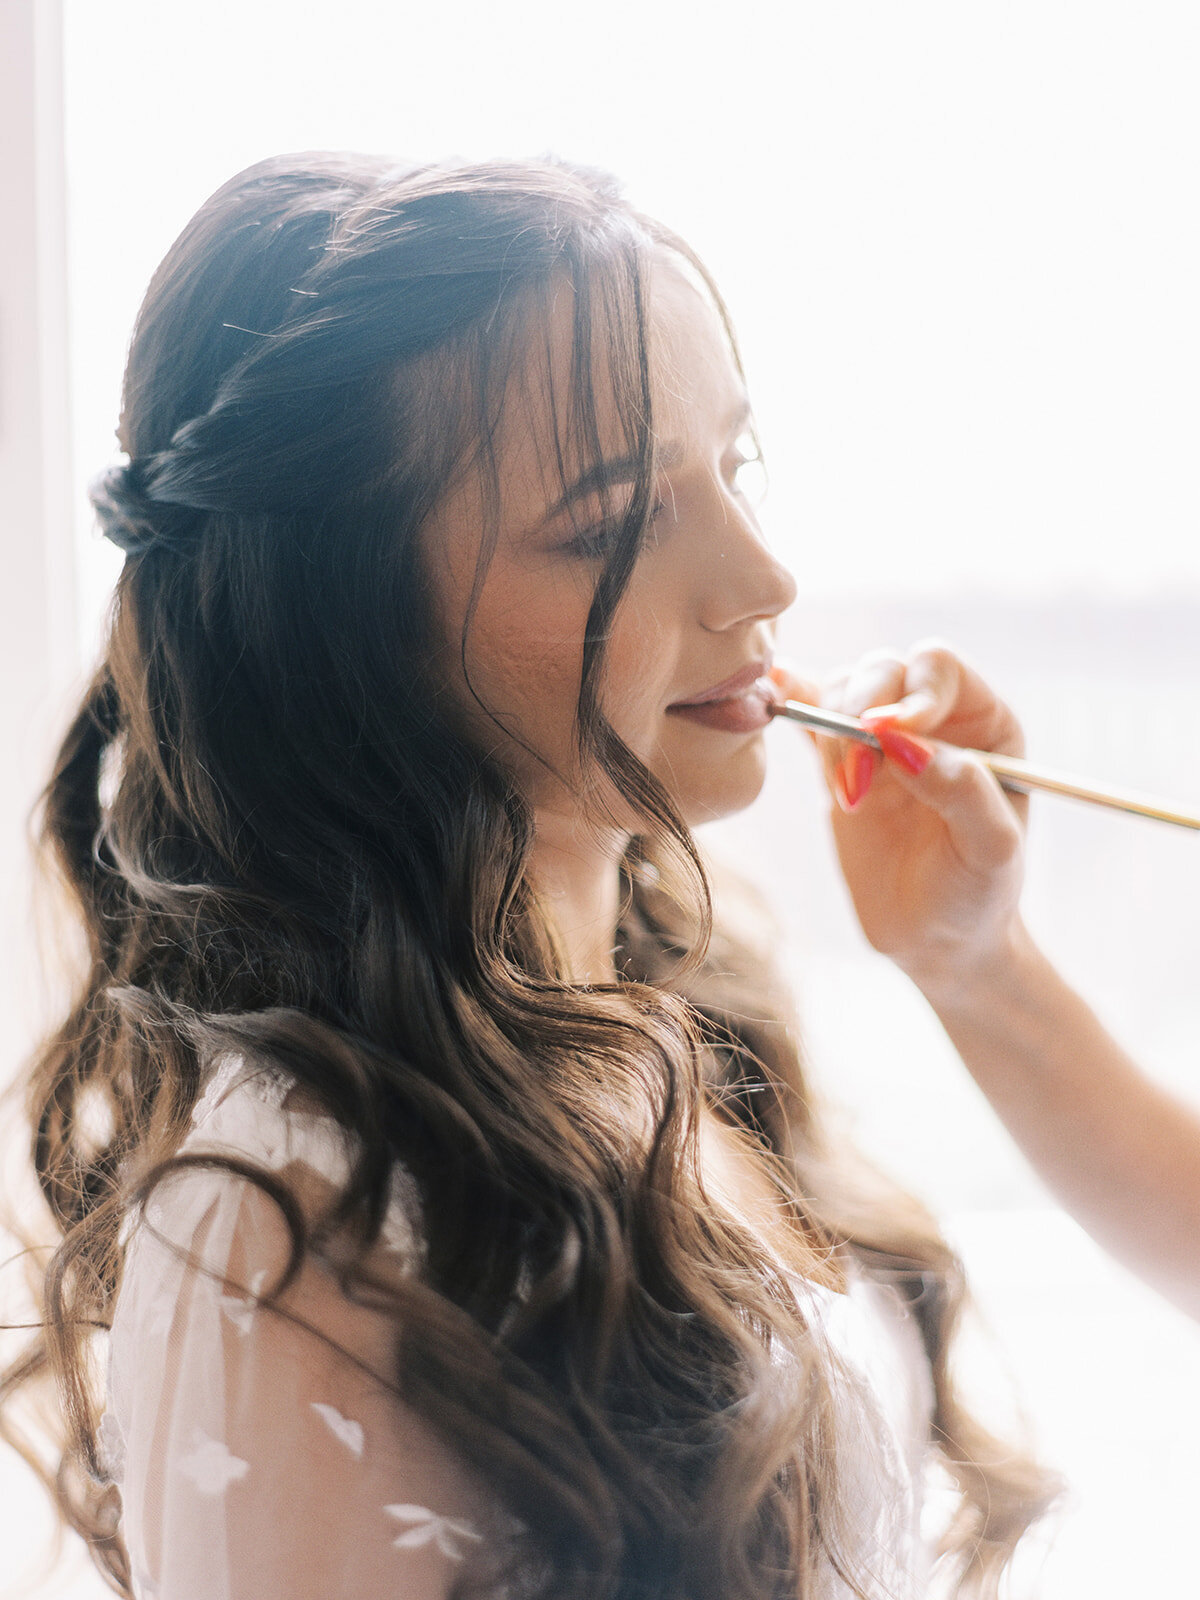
x: 595, y: 542
x: 744, y: 475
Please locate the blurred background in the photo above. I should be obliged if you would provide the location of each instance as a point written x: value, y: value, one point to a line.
x: 962, y: 247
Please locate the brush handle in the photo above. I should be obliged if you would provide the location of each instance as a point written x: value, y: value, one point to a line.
x: 1013, y: 773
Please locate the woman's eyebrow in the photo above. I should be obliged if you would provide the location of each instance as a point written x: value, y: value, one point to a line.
x: 611, y: 473
x: 624, y: 469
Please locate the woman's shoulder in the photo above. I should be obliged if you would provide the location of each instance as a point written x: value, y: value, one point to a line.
x: 260, y: 1114
x: 230, y: 1070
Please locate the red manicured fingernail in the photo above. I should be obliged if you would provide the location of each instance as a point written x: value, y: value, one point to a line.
x: 854, y: 776
x: 913, y: 754
x: 839, y: 786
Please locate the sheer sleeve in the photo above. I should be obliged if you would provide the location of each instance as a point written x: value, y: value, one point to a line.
x: 256, y: 1456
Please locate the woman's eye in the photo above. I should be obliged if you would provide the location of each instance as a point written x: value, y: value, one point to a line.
x: 594, y: 543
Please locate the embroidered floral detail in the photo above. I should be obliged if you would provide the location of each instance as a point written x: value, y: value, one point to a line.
x: 400, y: 1233
x: 111, y: 1442
x: 425, y: 1527
x: 211, y: 1465
x: 218, y: 1107
x: 271, y: 1085
x: 240, y: 1309
x: 397, y: 1234
x: 215, y: 1089
x: 350, y: 1433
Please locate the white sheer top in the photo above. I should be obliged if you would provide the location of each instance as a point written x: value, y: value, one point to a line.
x: 257, y: 1462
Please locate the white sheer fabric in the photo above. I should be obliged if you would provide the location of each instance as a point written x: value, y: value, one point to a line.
x: 256, y: 1460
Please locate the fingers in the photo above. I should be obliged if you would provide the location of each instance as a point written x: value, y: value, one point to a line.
x: 943, y: 695
x: 876, y: 677
x: 786, y: 676
x: 929, y: 687
x: 983, y: 824
x: 928, y: 690
x: 793, y: 685
x: 850, y: 768
x: 847, y: 773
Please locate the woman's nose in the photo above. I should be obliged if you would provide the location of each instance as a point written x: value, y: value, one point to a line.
x: 741, y: 579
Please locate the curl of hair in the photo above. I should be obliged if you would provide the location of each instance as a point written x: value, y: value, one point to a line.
x: 279, y: 843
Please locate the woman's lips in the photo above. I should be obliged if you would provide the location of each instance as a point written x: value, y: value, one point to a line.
x: 746, y: 710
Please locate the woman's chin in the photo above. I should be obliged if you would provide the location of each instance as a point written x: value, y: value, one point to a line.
x: 722, y: 789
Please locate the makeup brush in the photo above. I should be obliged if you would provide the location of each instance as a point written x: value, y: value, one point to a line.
x: 1019, y: 776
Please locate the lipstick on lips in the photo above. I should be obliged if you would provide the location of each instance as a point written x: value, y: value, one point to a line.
x: 741, y: 704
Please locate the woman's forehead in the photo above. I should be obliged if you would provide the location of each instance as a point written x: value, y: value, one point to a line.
x: 694, y: 381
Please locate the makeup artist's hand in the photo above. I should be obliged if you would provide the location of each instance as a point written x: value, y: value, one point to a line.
x: 930, y: 846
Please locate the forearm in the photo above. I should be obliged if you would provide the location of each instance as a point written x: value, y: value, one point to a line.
x: 1120, y: 1152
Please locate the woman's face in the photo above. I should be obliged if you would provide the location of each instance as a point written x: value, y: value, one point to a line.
x: 699, y: 609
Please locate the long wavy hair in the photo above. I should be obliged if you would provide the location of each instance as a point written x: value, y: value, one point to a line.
x: 279, y: 843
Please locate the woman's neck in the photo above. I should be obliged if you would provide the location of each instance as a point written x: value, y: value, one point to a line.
x: 576, y: 871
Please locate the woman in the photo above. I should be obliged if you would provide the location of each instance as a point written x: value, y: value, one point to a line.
x: 456, y: 1201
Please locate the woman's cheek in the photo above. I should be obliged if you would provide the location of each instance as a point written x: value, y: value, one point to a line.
x: 639, y: 684
x: 525, y: 654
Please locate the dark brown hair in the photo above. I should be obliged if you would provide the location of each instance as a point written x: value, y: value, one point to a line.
x: 280, y: 845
